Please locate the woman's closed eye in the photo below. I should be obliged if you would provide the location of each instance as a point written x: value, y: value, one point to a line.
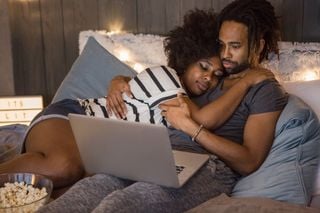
x: 205, y: 66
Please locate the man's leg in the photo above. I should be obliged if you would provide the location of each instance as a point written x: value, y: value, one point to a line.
x: 51, y: 151
x: 210, y: 181
x: 86, y: 194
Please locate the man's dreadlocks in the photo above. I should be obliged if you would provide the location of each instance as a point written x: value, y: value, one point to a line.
x: 260, y: 18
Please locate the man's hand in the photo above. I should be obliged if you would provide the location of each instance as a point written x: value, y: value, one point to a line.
x: 253, y: 76
x: 115, y: 103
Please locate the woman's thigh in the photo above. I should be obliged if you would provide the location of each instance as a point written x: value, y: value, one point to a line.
x: 51, y: 150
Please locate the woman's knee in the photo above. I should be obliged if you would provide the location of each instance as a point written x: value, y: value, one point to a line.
x: 64, y: 170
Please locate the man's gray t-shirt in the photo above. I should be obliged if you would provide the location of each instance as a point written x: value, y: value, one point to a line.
x: 267, y: 96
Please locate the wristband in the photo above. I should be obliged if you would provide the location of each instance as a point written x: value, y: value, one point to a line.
x: 197, y: 133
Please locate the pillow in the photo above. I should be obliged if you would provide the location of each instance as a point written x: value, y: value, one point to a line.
x: 296, y: 62
x: 308, y: 91
x: 146, y: 50
x: 289, y: 170
x: 91, y: 72
x: 11, y: 135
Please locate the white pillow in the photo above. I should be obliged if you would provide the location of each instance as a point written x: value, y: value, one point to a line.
x: 308, y: 91
x: 144, y: 50
x: 296, y: 61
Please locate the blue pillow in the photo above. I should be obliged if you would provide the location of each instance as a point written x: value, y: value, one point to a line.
x: 91, y: 73
x: 290, y: 169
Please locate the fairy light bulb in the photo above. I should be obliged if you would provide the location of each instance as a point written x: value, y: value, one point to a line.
x: 310, y: 75
x: 123, y: 55
x: 138, y: 67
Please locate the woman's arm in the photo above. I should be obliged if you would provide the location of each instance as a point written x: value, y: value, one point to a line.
x: 115, y: 103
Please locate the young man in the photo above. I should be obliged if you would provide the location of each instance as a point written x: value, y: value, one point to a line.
x: 247, y: 32
x: 245, y: 41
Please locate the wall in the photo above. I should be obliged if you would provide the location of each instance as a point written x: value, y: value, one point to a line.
x: 45, y: 32
x: 6, y: 68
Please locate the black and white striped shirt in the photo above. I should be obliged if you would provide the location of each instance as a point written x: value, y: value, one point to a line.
x: 150, y: 88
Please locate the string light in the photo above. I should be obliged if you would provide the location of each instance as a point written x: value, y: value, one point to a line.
x: 310, y: 75
x: 123, y: 55
x: 138, y: 67
x: 305, y: 75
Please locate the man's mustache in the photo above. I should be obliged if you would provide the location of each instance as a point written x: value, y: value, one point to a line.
x: 237, y: 68
x: 228, y: 61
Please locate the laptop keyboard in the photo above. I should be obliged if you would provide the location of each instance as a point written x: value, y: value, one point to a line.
x: 179, y: 169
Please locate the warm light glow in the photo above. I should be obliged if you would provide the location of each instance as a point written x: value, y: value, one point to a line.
x: 123, y: 55
x: 306, y: 75
x: 113, y: 32
x: 310, y: 75
x: 138, y: 67
x: 115, y: 27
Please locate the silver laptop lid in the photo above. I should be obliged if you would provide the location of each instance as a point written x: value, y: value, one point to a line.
x: 130, y: 150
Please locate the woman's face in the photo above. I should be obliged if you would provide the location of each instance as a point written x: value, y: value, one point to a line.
x: 199, y: 77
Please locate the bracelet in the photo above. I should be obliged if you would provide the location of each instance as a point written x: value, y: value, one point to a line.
x: 197, y: 133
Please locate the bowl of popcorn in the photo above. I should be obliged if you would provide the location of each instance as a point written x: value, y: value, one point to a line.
x: 23, y: 192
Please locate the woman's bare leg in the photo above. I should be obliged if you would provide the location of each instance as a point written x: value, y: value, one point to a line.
x: 51, y: 151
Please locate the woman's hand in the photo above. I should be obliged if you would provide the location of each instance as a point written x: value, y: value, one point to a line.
x: 254, y: 75
x: 115, y: 103
x: 178, y: 116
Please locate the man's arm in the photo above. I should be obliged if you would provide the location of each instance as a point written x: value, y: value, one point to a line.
x: 217, y: 112
x: 245, y: 158
x: 257, y: 141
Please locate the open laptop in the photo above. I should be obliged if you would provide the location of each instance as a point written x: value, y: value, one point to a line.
x: 131, y: 150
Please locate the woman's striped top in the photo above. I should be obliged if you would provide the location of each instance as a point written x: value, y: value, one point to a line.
x: 150, y: 88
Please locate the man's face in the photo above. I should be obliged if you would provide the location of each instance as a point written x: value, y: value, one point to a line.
x: 233, y: 38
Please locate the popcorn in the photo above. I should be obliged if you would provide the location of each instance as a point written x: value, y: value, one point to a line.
x: 18, y: 194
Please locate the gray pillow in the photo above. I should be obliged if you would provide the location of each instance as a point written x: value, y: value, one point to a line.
x: 91, y: 73
x: 288, y: 174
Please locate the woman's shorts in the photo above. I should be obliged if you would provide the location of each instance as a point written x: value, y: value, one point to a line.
x: 60, y: 109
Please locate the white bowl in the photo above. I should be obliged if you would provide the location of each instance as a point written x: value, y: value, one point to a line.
x: 37, y: 181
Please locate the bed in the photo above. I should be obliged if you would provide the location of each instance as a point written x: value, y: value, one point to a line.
x: 289, y: 179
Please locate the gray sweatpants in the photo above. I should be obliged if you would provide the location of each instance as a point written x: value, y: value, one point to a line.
x: 105, y: 193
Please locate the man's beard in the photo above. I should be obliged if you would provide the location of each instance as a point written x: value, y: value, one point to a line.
x: 237, y: 68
